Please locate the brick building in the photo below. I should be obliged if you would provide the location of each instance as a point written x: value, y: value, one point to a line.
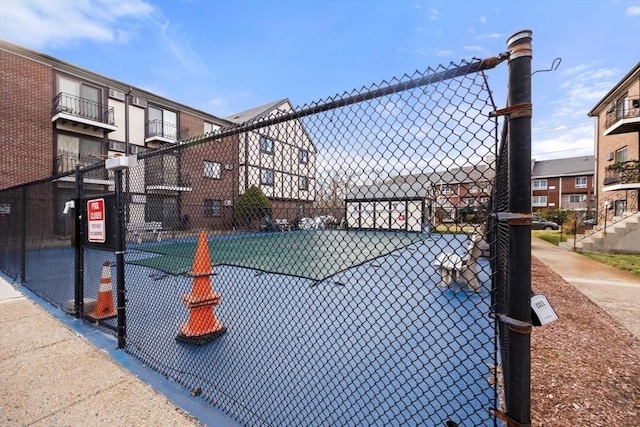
x: 563, y: 184
x: 55, y: 115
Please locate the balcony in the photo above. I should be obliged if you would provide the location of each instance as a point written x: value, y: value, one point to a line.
x: 82, y: 112
x: 624, y: 118
x: 65, y: 163
x: 163, y: 132
x: 622, y: 176
x: 167, y: 182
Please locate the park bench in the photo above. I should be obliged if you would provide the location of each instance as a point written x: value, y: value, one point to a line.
x: 137, y: 229
x: 453, y: 267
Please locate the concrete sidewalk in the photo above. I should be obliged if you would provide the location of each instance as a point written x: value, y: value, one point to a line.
x: 615, y: 291
x: 63, y: 372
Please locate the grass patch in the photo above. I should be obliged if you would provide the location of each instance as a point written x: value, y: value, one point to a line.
x: 630, y: 263
x: 550, y: 236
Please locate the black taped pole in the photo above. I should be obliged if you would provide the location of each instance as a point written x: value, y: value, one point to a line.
x: 78, y: 241
x: 23, y: 237
x: 518, y: 400
x: 120, y: 249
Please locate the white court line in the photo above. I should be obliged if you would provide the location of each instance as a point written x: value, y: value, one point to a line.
x: 602, y: 282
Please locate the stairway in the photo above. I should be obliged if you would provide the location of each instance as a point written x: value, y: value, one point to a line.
x: 622, y: 235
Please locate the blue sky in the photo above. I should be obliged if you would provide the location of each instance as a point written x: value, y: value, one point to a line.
x: 227, y: 56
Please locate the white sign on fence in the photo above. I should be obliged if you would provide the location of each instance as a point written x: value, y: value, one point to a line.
x: 96, y: 230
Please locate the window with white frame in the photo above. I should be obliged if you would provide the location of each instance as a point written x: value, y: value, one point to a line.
x: 581, y: 182
x: 574, y: 198
x: 621, y: 107
x: 212, y: 169
x: 303, y: 156
x: 473, y: 189
x: 540, y: 184
x: 303, y: 183
x: 445, y: 189
x: 162, y: 123
x: 266, y: 176
x: 539, y: 201
x: 266, y: 145
x: 469, y: 201
x: 212, y: 208
x: 210, y: 127
x: 621, y: 155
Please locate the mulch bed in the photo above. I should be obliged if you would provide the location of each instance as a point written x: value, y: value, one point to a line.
x: 585, y: 367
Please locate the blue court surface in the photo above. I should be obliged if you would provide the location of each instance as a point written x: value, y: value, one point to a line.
x: 374, y: 343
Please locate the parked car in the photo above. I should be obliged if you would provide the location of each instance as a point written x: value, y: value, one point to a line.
x: 538, y: 223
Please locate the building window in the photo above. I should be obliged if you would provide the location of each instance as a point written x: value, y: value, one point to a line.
x: 162, y: 123
x: 473, y: 189
x: 212, y: 208
x: 72, y: 150
x: 574, y: 198
x: 212, y: 169
x: 469, y: 201
x: 303, y: 183
x: 620, y: 107
x: 266, y: 145
x: 540, y: 184
x: 539, y: 201
x: 266, y: 176
x: 303, y: 156
x: 621, y: 155
x: 581, y: 182
x: 79, y: 99
x: 210, y: 127
x: 117, y: 146
x: 445, y: 189
x: 136, y: 149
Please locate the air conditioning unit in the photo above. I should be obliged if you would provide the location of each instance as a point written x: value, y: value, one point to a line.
x: 228, y: 166
x: 116, y: 94
x: 228, y: 202
x: 610, y: 155
x: 138, y: 102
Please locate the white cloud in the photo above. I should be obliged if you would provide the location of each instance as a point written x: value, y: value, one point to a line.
x: 633, y: 11
x: 483, y: 19
x: 434, y: 15
x: 488, y: 36
x: 41, y: 23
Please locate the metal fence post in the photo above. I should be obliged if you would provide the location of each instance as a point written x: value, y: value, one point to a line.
x: 79, y: 250
x: 23, y: 237
x: 120, y: 249
x: 518, y: 399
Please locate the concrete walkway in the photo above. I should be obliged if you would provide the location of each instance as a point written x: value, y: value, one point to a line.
x: 615, y: 291
x: 59, y: 371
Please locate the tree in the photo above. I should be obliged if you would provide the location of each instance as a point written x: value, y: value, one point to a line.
x: 250, y: 206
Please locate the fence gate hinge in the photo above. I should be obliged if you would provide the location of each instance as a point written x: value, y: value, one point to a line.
x: 507, y: 420
x: 514, y: 324
x: 513, y: 218
x: 515, y: 111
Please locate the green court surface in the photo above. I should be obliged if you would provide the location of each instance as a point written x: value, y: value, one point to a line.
x: 311, y: 254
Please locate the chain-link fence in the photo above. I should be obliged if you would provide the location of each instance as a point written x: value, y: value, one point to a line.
x: 336, y: 264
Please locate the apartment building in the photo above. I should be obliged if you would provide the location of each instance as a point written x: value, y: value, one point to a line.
x: 54, y: 115
x: 617, y: 145
x: 408, y: 202
x: 563, y: 184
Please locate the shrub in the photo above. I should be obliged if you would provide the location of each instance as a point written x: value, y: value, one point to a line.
x: 250, y: 206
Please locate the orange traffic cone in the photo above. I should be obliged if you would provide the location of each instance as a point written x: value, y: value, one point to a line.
x: 203, y: 326
x: 105, y: 308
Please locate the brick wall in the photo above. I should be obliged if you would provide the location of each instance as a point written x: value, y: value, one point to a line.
x: 25, y: 120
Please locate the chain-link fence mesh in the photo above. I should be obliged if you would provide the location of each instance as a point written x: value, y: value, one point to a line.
x: 335, y: 264
x: 324, y: 265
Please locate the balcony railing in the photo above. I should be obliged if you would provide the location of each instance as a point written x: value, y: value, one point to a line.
x: 157, y: 129
x: 82, y: 108
x: 629, y: 109
x: 623, y: 173
x: 67, y: 162
x: 168, y: 180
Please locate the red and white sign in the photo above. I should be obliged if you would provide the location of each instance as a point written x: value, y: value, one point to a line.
x: 95, y: 219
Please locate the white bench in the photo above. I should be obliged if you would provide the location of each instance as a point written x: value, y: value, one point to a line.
x: 284, y: 224
x: 137, y: 229
x: 452, y: 267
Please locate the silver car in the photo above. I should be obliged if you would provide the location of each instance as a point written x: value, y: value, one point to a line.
x: 538, y: 223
